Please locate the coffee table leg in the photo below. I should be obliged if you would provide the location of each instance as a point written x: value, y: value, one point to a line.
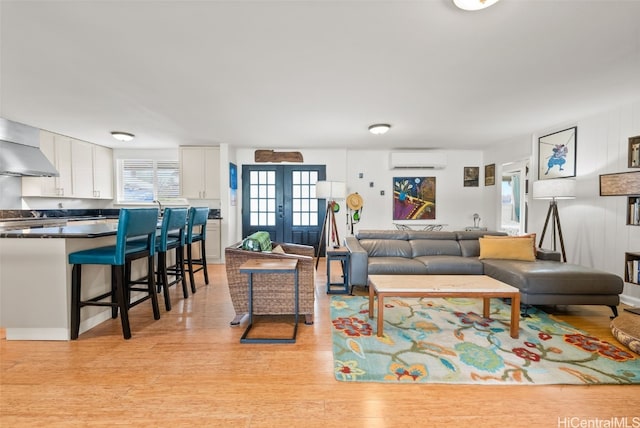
x: 515, y: 315
x: 486, y: 306
x: 371, y: 298
x: 380, y: 313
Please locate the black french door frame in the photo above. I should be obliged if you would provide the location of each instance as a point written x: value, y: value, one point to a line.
x: 278, y: 202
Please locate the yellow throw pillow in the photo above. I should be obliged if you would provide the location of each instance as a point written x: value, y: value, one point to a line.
x: 529, y: 235
x: 509, y: 248
x: 278, y: 250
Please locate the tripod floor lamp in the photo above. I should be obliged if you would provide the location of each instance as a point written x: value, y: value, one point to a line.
x: 559, y: 188
x: 330, y: 191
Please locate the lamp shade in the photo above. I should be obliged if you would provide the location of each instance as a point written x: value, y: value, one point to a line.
x: 331, y: 190
x: 559, y: 188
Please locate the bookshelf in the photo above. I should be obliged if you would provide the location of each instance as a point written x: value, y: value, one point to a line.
x: 633, y: 211
x: 632, y: 268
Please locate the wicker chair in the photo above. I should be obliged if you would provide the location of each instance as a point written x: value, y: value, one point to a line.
x: 273, y: 294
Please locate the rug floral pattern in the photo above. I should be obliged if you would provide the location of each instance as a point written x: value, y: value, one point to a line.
x: 446, y: 341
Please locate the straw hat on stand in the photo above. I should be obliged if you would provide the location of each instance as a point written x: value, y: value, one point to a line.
x: 354, y: 202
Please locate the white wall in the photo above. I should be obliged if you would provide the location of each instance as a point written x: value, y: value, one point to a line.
x: 455, y: 204
x: 10, y: 192
x: 231, y: 214
x: 594, y: 227
x: 334, y: 159
x: 514, y: 151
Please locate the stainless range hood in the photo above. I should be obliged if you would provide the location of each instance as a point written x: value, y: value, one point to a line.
x: 20, y: 153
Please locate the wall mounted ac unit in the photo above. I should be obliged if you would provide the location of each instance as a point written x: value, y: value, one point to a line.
x: 425, y: 159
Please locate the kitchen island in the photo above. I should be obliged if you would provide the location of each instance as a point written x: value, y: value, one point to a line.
x: 35, y: 279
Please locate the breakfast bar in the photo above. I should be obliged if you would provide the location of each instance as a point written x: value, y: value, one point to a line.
x: 35, y: 279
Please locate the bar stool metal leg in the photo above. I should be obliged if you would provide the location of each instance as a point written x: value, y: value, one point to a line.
x: 76, y: 278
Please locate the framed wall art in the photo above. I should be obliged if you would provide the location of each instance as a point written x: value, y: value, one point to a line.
x: 634, y: 152
x: 557, y: 154
x: 414, y: 198
x: 233, y: 183
x: 490, y: 174
x: 471, y: 176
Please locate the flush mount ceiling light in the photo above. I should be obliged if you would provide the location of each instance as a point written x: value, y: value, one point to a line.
x: 122, y: 136
x: 379, y: 128
x: 474, y: 4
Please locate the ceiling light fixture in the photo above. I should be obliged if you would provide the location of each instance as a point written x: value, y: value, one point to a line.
x: 122, y: 136
x: 474, y: 4
x: 379, y: 128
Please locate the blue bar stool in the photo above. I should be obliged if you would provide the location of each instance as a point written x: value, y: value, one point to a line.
x: 197, y: 232
x: 136, y: 239
x: 172, y: 236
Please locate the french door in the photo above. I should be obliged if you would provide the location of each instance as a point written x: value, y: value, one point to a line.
x: 281, y: 200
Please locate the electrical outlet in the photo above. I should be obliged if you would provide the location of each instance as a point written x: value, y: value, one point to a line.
x: 371, y: 184
x: 382, y: 193
x: 360, y: 175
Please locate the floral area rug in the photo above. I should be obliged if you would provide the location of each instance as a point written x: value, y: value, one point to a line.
x: 428, y: 340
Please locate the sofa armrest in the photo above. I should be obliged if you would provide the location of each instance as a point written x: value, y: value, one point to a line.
x: 359, y: 261
x: 544, y: 254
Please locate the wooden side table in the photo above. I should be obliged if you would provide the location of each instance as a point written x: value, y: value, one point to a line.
x: 342, y: 254
x: 252, y: 266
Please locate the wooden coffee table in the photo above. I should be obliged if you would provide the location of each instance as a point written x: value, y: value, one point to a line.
x: 480, y: 286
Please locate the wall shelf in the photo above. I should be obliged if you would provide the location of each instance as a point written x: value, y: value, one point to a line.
x: 631, y: 268
x: 620, y: 184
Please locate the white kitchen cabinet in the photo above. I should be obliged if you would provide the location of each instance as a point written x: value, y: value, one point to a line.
x: 82, y: 171
x: 200, y: 172
x: 57, y: 148
x: 102, y: 172
x: 86, y: 170
x: 212, y: 244
x: 92, y: 170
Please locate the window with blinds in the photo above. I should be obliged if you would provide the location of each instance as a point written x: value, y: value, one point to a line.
x: 144, y: 180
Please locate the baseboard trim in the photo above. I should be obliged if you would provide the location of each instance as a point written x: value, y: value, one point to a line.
x: 630, y: 300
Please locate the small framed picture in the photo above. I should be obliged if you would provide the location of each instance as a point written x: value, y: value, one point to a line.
x: 233, y: 176
x: 634, y: 152
x: 557, y: 154
x: 471, y: 176
x: 490, y: 174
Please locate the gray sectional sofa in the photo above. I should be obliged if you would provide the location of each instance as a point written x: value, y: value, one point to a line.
x: 545, y: 281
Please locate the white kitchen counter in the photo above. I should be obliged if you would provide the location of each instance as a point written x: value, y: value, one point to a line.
x: 35, y: 281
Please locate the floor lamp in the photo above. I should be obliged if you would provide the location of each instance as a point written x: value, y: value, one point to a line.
x: 329, y: 190
x: 559, y: 188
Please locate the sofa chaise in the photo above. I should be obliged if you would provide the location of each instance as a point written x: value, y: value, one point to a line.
x: 542, y: 281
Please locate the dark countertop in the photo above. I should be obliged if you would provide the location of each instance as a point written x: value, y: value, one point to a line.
x: 82, y: 231
x: 23, y: 219
x: 78, y: 214
x: 42, y: 217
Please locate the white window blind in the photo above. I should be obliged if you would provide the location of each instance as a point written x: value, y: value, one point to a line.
x: 168, y: 180
x: 144, y: 180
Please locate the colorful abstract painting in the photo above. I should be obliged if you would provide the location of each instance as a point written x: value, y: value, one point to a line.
x: 414, y: 198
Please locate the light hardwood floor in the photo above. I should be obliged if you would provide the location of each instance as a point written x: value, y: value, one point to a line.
x: 189, y: 369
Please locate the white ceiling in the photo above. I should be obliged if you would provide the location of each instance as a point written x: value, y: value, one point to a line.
x: 296, y: 74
